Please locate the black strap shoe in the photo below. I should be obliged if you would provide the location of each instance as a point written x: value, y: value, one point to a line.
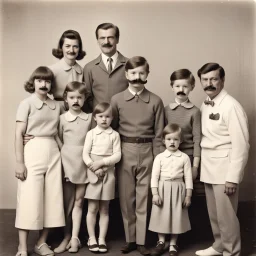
x: 158, y: 250
x: 143, y: 250
x: 174, y: 252
x: 129, y: 247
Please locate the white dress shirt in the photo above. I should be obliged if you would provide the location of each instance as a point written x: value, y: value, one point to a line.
x: 172, y: 165
x: 102, y: 143
x: 105, y: 60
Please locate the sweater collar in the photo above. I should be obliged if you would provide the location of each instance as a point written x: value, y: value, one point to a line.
x: 144, y: 95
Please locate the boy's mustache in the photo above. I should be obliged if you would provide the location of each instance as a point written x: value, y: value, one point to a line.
x: 181, y: 93
x: 137, y: 81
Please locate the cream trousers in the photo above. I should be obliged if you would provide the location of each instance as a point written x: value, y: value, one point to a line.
x: 40, y: 196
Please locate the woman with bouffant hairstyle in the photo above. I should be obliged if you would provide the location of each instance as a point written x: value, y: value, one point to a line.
x: 70, y: 34
x: 69, y: 50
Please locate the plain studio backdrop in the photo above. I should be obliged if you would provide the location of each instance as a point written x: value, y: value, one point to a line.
x: 170, y: 35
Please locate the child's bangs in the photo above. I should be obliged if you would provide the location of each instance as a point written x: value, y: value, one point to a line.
x: 44, y: 75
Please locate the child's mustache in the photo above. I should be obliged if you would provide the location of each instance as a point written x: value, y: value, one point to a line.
x: 43, y: 89
x: 137, y: 81
x: 181, y: 93
x: 76, y: 104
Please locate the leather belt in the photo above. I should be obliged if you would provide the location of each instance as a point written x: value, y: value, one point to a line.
x: 135, y: 139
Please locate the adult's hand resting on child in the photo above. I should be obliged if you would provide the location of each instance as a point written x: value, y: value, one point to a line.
x: 27, y: 138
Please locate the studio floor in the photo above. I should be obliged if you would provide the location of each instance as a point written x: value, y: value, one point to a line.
x: 199, y: 237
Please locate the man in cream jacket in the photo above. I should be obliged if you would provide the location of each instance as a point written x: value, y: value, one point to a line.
x: 225, y: 147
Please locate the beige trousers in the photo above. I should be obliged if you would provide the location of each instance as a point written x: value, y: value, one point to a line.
x: 224, y: 222
x: 40, y: 196
x: 134, y: 174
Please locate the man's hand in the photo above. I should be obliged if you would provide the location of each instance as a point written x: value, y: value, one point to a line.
x: 230, y: 188
x: 156, y: 200
x: 27, y: 138
x: 194, y: 172
x: 21, y: 171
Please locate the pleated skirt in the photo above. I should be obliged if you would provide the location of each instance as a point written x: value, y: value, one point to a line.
x: 170, y: 217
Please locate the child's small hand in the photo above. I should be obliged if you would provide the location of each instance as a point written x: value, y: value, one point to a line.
x: 96, y: 165
x: 194, y: 172
x: 100, y: 173
x: 156, y: 200
x: 21, y: 171
x: 187, y: 201
x: 90, y: 165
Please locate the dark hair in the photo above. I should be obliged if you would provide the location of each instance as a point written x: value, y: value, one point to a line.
x: 43, y: 73
x: 106, y: 26
x: 182, y: 74
x: 208, y: 67
x: 171, y: 128
x: 100, y: 108
x: 135, y: 62
x: 70, y: 34
x: 75, y: 86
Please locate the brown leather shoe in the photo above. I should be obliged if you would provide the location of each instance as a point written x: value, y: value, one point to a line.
x: 158, y: 250
x: 129, y: 247
x: 174, y: 252
x: 143, y: 250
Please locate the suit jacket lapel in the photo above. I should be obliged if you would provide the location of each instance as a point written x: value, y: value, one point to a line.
x: 120, y: 61
x: 100, y: 63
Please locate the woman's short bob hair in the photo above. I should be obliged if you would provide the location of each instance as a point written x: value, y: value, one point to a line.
x: 70, y: 34
x: 182, y: 74
x: 100, y: 108
x: 75, y: 86
x: 172, y: 128
x: 136, y: 61
x: 43, y: 73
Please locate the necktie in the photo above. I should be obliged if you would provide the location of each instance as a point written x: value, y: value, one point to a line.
x: 136, y: 97
x: 209, y: 102
x: 110, y: 65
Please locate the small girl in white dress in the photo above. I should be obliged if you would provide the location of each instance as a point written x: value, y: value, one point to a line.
x: 102, y: 151
x: 171, y: 185
x: 73, y: 127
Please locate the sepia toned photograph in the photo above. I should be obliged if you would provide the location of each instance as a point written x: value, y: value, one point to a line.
x: 127, y: 127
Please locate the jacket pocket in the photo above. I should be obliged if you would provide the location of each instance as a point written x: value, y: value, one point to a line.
x: 220, y: 153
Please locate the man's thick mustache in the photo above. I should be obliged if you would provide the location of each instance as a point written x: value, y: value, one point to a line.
x: 137, y: 81
x: 210, y: 88
x: 181, y: 93
x: 107, y: 45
